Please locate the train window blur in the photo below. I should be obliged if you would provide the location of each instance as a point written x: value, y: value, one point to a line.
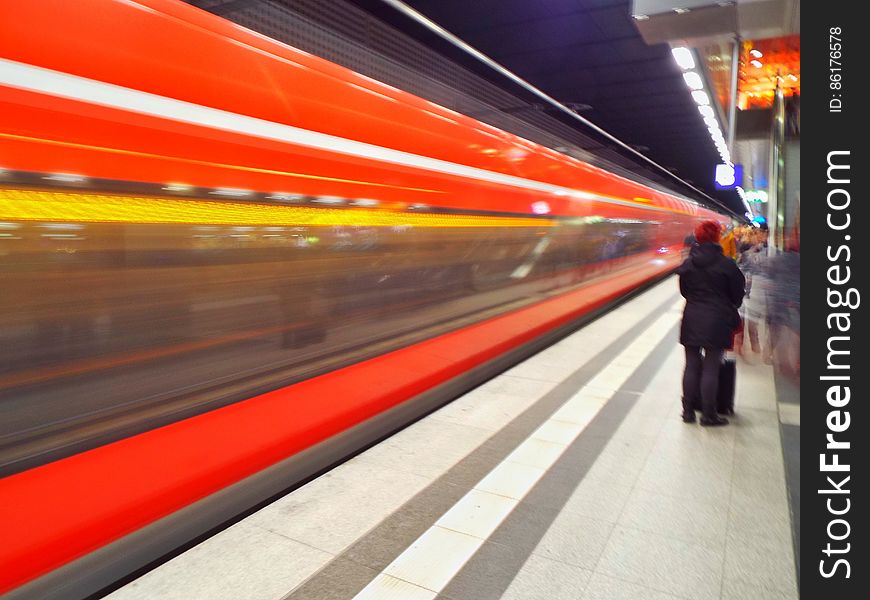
x: 112, y: 328
x: 184, y: 230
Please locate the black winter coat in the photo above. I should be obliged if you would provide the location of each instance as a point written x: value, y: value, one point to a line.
x: 712, y: 285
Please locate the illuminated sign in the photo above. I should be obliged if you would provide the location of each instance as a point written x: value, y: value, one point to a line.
x: 728, y: 176
x: 756, y: 196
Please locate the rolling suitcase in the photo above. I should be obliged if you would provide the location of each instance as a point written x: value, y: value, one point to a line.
x: 725, y: 393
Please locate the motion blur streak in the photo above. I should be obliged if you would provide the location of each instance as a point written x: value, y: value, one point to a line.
x: 29, y: 205
x: 289, y: 174
x: 218, y: 251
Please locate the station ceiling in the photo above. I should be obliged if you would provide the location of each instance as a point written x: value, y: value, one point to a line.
x: 589, y: 55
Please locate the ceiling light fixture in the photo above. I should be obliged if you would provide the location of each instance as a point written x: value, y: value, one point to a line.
x: 706, y: 111
x: 684, y: 58
x: 701, y: 97
x: 693, y: 80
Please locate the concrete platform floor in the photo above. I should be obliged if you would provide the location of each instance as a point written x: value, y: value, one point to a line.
x: 570, y: 476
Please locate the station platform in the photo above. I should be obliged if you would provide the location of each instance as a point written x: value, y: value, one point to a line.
x: 569, y: 476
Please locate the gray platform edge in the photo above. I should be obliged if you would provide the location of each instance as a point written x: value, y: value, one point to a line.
x: 108, y: 568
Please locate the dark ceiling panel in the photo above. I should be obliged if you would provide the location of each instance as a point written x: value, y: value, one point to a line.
x: 615, y: 20
x: 633, y: 49
x: 535, y: 34
x: 484, y: 15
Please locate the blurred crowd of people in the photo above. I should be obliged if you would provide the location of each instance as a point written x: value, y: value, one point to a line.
x: 741, y: 295
x: 771, y: 306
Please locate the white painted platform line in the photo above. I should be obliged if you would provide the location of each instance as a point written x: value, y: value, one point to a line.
x: 789, y: 414
x: 429, y: 563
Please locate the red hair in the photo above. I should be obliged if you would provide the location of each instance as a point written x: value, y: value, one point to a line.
x: 707, y: 231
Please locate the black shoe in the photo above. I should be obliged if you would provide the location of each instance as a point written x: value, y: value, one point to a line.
x: 689, y: 417
x: 713, y: 422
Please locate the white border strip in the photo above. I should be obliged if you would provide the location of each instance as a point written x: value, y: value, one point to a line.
x: 433, y: 559
x: 46, y: 81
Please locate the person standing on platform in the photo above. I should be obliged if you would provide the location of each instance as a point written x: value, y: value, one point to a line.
x: 713, y: 287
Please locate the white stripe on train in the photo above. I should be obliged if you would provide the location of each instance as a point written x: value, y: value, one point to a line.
x: 55, y: 83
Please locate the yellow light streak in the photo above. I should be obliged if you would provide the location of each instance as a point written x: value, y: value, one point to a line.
x: 38, y: 205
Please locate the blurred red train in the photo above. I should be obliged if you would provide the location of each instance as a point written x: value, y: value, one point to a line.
x: 227, y: 264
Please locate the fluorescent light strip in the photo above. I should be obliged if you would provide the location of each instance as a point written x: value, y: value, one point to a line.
x: 434, y: 558
x: 685, y: 59
x: 64, y: 85
x: 693, y: 80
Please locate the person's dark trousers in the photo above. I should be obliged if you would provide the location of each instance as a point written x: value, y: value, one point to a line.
x: 701, y: 379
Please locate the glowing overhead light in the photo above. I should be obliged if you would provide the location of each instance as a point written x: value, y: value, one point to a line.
x: 756, y: 53
x: 640, y: 17
x: 285, y: 197
x: 65, y: 177
x: 176, y: 187
x: 693, y: 80
x: 792, y: 76
x: 756, y: 63
x: 681, y: 11
x: 711, y: 122
x: 701, y: 97
x: 684, y: 58
x: 328, y: 200
x: 62, y: 226
x: 706, y: 111
x: 233, y: 193
x: 742, y: 194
